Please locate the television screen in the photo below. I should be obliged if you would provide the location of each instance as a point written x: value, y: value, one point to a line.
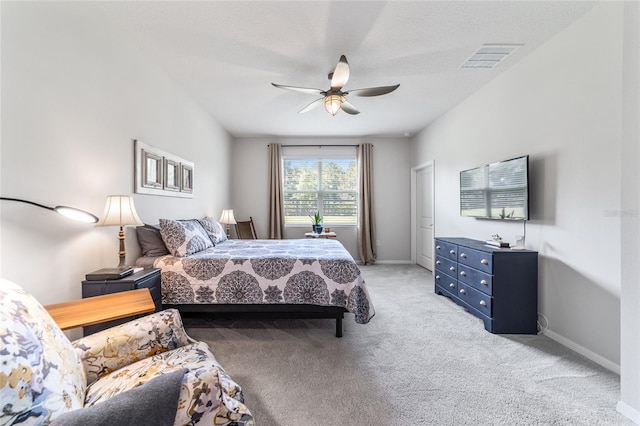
x: 496, y: 191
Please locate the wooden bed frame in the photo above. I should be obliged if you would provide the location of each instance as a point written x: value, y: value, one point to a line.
x: 264, y: 311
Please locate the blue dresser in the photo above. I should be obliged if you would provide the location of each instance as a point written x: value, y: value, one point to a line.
x: 498, y: 285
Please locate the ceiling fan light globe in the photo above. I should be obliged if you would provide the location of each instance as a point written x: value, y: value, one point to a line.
x: 332, y: 103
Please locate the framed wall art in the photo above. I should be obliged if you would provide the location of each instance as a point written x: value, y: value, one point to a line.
x: 171, y: 175
x: 186, y: 184
x: 151, y: 170
x: 158, y: 172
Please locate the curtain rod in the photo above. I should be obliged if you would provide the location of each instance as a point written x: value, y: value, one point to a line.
x: 313, y: 146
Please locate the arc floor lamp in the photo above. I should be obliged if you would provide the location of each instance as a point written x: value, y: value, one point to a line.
x: 66, y: 211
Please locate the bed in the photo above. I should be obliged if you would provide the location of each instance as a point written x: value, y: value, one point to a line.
x: 301, y: 278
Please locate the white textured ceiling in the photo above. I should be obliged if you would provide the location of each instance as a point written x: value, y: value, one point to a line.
x: 226, y: 54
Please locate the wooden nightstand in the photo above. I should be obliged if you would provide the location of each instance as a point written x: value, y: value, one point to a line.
x: 148, y: 278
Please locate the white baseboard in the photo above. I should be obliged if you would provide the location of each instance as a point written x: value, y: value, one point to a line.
x: 393, y: 262
x: 611, y: 366
x: 629, y: 412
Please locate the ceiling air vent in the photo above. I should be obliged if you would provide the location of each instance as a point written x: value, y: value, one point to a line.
x: 490, y: 55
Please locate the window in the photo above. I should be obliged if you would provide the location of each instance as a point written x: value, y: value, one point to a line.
x: 328, y: 184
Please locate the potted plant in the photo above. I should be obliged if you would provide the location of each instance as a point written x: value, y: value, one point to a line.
x: 316, y: 222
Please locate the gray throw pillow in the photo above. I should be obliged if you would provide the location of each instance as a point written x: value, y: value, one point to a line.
x: 150, y: 241
x: 153, y: 403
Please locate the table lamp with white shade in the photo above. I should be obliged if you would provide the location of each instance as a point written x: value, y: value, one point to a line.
x: 227, y: 219
x: 120, y: 211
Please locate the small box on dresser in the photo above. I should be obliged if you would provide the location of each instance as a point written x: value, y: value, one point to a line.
x: 498, y: 285
x: 148, y: 278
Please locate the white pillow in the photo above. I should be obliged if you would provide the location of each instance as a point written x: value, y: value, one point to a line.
x: 184, y: 237
x: 214, y: 229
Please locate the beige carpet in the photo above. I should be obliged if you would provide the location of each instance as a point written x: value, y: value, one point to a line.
x: 422, y: 360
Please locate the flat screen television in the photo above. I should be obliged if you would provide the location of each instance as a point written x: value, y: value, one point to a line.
x: 496, y: 191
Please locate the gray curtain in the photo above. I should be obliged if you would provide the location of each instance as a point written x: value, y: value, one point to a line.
x: 366, y: 215
x: 276, y: 201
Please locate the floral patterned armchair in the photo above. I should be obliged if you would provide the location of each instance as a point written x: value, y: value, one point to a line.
x: 45, y: 378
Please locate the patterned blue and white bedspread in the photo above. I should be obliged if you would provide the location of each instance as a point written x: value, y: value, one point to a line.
x: 305, y: 271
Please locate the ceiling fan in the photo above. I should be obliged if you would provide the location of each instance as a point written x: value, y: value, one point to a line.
x: 334, y: 98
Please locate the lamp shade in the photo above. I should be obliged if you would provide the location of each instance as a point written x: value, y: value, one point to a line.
x: 75, y: 214
x: 227, y: 217
x: 120, y: 211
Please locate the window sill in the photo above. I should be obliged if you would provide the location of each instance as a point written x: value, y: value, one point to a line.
x: 324, y: 225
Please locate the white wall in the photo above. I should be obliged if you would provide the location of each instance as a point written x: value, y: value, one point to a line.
x: 562, y: 106
x: 630, y: 243
x: 391, y: 163
x: 74, y: 96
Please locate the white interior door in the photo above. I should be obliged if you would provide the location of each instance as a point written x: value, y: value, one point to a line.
x: 424, y: 217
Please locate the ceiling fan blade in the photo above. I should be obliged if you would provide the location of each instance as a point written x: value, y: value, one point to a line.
x: 373, y: 91
x: 311, y: 106
x: 349, y: 108
x: 340, y: 75
x: 307, y: 90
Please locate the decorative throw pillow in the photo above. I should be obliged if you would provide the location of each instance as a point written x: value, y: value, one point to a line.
x: 150, y: 241
x: 184, y: 237
x: 153, y: 403
x: 214, y: 229
x: 41, y: 375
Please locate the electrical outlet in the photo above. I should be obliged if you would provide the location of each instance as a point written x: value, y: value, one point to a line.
x: 378, y: 243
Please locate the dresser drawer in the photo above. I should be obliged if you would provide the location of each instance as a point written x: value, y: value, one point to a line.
x: 446, y: 250
x: 447, y: 266
x: 446, y: 282
x: 499, y: 286
x: 480, y: 280
x: 474, y: 298
x: 477, y: 259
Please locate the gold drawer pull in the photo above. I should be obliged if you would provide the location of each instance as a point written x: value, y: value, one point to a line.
x: 452, y: 252
x: 437, y: 247
x: 483, y: 303
x: 452, y: 285
x: 452, y: 268
x: 462, y: 291
x: 463, y: 255
x: 438, y: 262
x: 483, y: 282
x: 484, y: 262
x: 463, y: 273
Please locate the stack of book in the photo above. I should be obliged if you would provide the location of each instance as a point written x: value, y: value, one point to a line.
x: 109, y: 274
